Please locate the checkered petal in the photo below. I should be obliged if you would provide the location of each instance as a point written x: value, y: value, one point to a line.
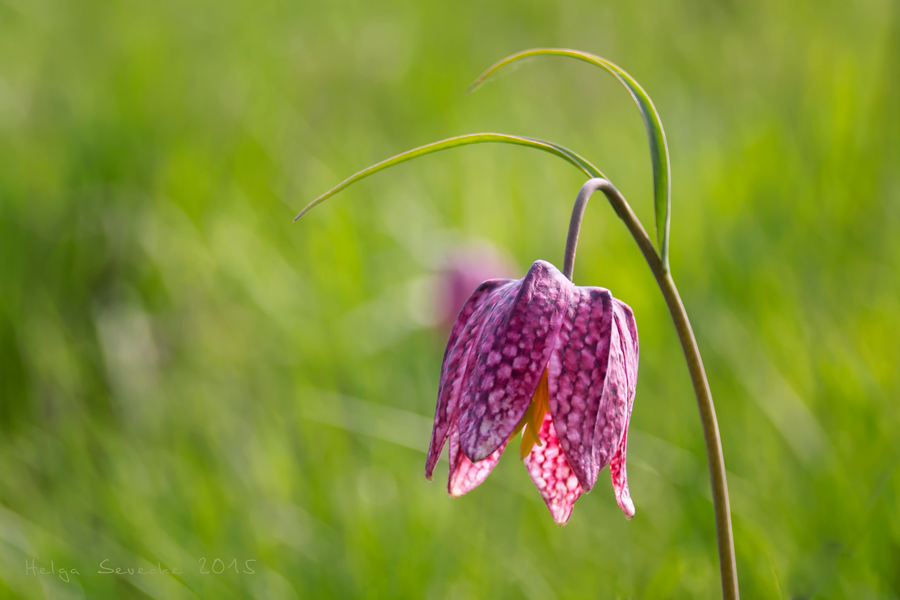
x: 459, y: 348
x: 509, y: 356
x: 552, y: 475
x: 624, y: 371
x: 582, y: 415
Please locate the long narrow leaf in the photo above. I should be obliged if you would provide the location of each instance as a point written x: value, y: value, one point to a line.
x: 582, y: 162
x: 454, y: 142
x: 659, y: 151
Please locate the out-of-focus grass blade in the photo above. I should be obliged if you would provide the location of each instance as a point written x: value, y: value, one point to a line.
x: 659, y: 151
x: 463, y: 140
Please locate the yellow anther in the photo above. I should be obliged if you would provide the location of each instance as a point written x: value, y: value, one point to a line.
x: 533, y: 418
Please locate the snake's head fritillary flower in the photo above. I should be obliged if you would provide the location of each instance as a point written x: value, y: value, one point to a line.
x: 553, y: 360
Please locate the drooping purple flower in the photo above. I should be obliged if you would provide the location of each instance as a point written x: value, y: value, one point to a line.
x: 542, y: 355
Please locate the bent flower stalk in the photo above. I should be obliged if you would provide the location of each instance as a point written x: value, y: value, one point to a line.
x: 558, y: 362
x: 548, y: 358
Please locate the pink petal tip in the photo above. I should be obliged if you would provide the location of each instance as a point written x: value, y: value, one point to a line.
x: 552, y: 475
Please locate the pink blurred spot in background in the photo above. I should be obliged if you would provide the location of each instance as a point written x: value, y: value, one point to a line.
x: 464, y: 268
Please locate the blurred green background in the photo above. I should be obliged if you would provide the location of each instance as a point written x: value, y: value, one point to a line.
x: 186, y: 375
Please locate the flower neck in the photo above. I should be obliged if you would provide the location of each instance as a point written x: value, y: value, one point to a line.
x: 581, y: 201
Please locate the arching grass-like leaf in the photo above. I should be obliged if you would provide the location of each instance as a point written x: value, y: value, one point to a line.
x: 463, y: 140
x: 659, y: 151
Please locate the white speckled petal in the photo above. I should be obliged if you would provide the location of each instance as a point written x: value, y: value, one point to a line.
x: 465, y: 330
x: 551, y: 473
x: 509, y: 357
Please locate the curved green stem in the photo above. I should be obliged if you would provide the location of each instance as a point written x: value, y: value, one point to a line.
x: 581, y: 201
x: 663, y: 277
